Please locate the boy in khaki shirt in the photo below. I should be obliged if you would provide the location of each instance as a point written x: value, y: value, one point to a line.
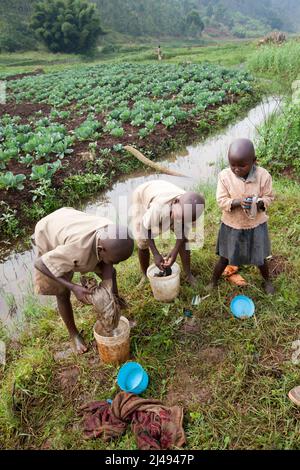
x: 71, y: 241
x: 160, y: 206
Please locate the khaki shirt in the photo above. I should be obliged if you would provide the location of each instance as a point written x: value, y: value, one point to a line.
x: 230, y: 187
x: 151, y: 207
x: 67, y: 240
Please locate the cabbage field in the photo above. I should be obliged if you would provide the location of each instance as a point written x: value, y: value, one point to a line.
x: 62, y: 134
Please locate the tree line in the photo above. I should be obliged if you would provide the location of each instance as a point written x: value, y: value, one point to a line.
x: 75, y: 25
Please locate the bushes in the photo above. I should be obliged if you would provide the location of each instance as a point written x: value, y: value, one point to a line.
x: 16, y: 38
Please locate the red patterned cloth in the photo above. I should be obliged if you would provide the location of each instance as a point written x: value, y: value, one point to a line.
x: 155, y: 426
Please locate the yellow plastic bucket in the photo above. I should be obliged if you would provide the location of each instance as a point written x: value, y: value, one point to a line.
x: 114, y: 349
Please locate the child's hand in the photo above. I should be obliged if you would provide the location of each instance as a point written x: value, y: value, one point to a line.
x: 159, y: 261
x: 169, y: 260
x: 261, y: 206
x: 236, y: 203
x: 82, y: 293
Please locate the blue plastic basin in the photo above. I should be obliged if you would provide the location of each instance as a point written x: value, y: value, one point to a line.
x: 242, y: 306
x: 132, y: 378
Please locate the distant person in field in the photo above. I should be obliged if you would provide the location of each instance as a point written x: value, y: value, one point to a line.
x: 244, y: 193
x: 70, y: 241
x: 159, y: 206
x: 159, y: 53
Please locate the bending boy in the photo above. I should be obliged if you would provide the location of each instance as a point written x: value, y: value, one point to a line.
x: 71, y: 241
x: 159, y: 206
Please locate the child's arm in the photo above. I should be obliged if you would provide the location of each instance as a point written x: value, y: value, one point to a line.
x: 225, y: 202
x: 172, y: 256
x: 158, y: 259
x: 267, y: 195
x: 79, y: 291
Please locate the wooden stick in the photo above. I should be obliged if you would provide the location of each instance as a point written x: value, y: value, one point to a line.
x: 154, y: 165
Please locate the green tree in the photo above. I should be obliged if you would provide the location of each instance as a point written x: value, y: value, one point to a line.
x: 194, y: 23
x: 209, y: 10
x: 66, y: 25
x: 220, y: 12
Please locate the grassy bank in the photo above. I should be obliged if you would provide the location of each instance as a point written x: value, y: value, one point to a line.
x: 279, y: 144
x: 232, y: 377
x: 277, y: 60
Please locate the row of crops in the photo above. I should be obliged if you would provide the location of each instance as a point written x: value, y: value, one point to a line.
x: 109, y: 97
x: 52, y: 120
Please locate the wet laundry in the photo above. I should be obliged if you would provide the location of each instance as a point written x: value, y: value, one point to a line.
x: 165, y: 273
x: 106, y: 304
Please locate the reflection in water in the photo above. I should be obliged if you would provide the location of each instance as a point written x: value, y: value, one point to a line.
x: 200, y: 162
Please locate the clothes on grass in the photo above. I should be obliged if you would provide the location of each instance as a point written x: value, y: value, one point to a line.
x: 66, y: 240
x: 151, y: 208
x: 230, y: 187
x: 244, y: 246
x: 155, y: 426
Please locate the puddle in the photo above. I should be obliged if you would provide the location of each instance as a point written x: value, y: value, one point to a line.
x: 200, y: 162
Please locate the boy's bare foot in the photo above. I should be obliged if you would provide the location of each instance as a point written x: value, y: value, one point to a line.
x: 78, y: 345
x: 269, y: 288
x: 191, y: 280
x: 142, y: 282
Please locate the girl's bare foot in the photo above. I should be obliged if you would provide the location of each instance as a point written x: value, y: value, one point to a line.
x: 269, y: 288
x: 78, y: 345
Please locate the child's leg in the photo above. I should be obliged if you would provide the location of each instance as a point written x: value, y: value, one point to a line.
x: 185, y: 256
x: 218, y: 271
x: 264, y: 269
x: 66, y: 313
x: 144, y: 257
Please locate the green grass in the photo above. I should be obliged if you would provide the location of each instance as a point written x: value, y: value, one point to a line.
x: 228, y: 54
x: 231, y: 376
x: 277, y: 60
x: 279, y: 142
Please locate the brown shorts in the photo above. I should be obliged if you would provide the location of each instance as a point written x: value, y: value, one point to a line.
x: 44, y: 285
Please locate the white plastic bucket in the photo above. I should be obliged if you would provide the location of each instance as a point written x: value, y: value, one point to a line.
x: 114, y: 349
x: 165, y: 289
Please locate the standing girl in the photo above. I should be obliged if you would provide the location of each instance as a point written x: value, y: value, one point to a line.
x: 244, y: 193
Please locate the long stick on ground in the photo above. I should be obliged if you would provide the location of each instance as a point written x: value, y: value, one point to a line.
x: 154, y: 165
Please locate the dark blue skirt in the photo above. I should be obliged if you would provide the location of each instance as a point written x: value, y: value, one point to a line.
x: 244, y: 246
